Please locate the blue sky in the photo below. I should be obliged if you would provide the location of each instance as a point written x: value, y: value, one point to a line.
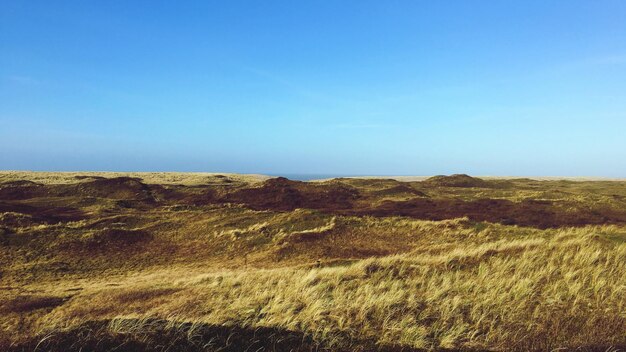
x: 323, y: 87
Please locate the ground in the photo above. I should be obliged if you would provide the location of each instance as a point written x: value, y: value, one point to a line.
x: 170, y: 261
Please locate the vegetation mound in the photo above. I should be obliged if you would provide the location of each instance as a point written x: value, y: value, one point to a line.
x: 38, y: 213
x: 456, y: 180
x: 21, y: 189
x: 283, y: 194
x: 113, y: 188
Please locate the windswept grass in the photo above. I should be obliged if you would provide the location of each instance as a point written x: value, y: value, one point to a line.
x: 226, y: 277
x: 566, y: 291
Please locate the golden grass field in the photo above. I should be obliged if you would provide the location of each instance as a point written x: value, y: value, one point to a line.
x: 225, y: 262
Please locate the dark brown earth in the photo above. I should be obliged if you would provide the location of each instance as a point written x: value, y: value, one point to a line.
x: 283, y: 194
x: 532, y: 213
x: 432, y: 199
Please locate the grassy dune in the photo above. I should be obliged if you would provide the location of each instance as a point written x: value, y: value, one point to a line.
x: 236, y: 264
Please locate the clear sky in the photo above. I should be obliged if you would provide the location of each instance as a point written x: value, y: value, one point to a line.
x: 323, y: 87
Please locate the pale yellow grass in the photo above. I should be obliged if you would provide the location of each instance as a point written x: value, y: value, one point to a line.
x: 166, y: 178
x: 565, y: 289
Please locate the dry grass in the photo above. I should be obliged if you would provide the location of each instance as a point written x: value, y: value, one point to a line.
x: 180, y: 277
x: 182, y: 178
x: 533, y: 294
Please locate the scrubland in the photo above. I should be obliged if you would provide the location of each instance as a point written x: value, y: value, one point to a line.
x: 231, y: 263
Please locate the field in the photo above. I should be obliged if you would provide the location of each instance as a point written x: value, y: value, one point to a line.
x: 225, y: 262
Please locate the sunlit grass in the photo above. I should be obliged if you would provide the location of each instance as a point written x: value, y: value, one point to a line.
x: 346, y: 282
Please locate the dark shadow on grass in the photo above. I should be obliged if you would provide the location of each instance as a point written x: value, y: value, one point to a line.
x: 158, y: 335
